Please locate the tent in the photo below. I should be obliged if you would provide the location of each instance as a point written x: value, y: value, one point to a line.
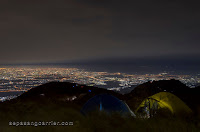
x: 163, y: 100
x: 106, y: 103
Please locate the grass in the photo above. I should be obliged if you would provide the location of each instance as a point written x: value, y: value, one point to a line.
x: 95, y: 122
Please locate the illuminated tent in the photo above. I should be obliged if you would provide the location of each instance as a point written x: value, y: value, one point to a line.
x: 106, y: 103
x: 163, y: 100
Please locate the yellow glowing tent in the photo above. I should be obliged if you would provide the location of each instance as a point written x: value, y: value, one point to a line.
x: 163, y: 100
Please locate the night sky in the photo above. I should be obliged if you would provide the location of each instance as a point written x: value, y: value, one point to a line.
x: 35, y: 31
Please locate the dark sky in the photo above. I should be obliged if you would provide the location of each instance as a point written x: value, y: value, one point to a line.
x: 67, y: 30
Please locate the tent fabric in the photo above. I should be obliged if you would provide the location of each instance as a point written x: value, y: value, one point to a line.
x: 107, y: 103
x: 164, y: 100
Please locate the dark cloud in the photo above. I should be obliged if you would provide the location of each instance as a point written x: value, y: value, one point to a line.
x: 43, y: 31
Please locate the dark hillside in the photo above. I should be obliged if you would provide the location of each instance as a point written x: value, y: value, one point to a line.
x: 62, y: 101
x: 189, y: 95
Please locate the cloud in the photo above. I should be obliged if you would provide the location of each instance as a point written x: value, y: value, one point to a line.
x: 34, y: 31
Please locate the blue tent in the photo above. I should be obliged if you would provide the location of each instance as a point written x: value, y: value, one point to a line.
x: 107, y: 103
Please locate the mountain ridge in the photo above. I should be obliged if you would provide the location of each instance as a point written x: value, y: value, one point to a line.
x: 62, y: 92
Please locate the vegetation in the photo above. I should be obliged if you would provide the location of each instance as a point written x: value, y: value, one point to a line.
x: 98, y: 122
x: 52, y: 105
